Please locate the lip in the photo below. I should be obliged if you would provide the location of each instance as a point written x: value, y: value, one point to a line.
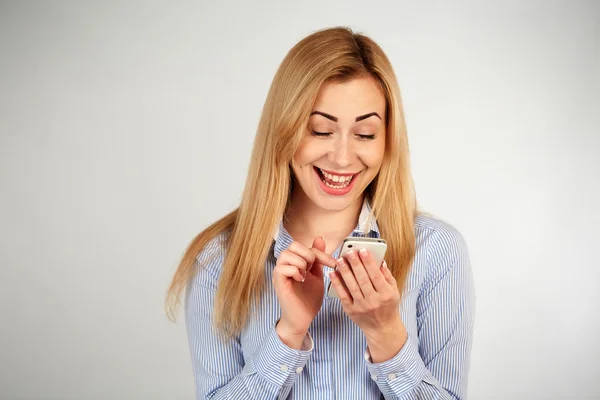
x: 332, y: 191
x: 338, y: 173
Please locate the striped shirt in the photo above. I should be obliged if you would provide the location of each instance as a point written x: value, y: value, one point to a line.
x: 437, y: 309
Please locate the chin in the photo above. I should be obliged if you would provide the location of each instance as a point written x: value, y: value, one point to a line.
x: 334, y: 203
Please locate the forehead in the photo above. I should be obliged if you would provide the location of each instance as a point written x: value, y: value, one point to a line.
x: 347, y: 100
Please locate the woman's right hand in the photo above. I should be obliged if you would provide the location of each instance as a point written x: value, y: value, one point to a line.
x: 298, y: 282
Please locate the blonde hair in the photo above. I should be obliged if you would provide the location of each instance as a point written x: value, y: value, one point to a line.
x: 329, y: 55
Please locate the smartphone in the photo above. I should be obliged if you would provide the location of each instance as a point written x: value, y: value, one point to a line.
x: 376, y: 247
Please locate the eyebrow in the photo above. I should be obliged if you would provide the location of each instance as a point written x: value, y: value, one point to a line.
x: 359, y: 118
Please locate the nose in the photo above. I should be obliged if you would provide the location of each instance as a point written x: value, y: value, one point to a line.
x: 342, y: 153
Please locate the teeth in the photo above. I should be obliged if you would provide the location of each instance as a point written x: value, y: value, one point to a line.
x: 336, y: 186
x: 342, y: 181
x: 336, y: 178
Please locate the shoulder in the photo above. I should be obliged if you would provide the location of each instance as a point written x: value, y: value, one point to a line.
x: 436, y: 227
x: 443, y: 243
x: 209, y: 262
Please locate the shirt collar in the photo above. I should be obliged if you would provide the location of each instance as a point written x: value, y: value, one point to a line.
x: 366, y: 227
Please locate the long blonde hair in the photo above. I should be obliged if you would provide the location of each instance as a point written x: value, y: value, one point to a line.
x: 335, y: 54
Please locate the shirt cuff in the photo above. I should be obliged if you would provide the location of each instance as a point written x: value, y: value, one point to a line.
x: 279, y: 364
x: 401, y: 373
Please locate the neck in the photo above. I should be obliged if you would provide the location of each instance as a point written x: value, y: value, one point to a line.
x: 305, y: 218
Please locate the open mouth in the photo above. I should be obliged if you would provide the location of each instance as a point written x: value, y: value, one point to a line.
x: 335, y: 181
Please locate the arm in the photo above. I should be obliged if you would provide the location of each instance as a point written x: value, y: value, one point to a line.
x: 438, y: 367
x: 220, y: 371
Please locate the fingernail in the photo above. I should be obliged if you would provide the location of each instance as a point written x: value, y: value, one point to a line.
x: 364, y: 253
x: 340, y: 262
x: 351, y: 255
x: 385, y: 265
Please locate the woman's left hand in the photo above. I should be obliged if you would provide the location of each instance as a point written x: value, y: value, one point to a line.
x: 371, y: 298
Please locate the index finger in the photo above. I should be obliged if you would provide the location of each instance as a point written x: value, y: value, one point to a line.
x: 303, y: 252
x: 375, y: 274
x: 323, y: 258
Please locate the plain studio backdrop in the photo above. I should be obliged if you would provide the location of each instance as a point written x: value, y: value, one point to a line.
x: 126, y: 128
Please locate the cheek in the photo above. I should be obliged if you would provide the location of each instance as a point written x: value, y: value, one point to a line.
x: 372, y: 156
x: 308, y: 152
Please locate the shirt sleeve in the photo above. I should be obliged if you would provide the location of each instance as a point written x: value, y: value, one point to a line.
x: 220, y: 371
x: 436, y: 364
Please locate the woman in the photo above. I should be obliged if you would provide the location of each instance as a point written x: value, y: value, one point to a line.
x: 330, y: 160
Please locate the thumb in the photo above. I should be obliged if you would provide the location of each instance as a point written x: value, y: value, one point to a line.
x: 319, y: 244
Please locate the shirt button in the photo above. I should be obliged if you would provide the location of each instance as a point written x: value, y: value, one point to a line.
x: 391, y: 377
x: 374, y: 377
x: 298, y: 370
x: 283, y: 367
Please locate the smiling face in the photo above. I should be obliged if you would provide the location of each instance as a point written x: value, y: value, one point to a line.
x: 343, y: 147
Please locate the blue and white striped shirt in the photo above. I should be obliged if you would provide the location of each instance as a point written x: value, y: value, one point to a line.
x: 437, y: 309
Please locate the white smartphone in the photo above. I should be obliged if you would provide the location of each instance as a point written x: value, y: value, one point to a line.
x: 376, y: 247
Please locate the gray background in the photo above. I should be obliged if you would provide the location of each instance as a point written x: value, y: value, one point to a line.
x: 126, y: 127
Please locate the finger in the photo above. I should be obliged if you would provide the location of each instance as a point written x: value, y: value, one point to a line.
x: 340, y: 289
x: 348, y: 276
x: 321, y: 259
x: 375, y: 274
x: 319, y: 243
x: 304, y: 252
x: 360, y: 273
x: 387, y: 274
x: 287, y: 257
x: 289, y: 271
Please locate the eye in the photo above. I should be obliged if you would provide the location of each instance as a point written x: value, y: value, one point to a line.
x: 321, y: 134
x: 366, y: 137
